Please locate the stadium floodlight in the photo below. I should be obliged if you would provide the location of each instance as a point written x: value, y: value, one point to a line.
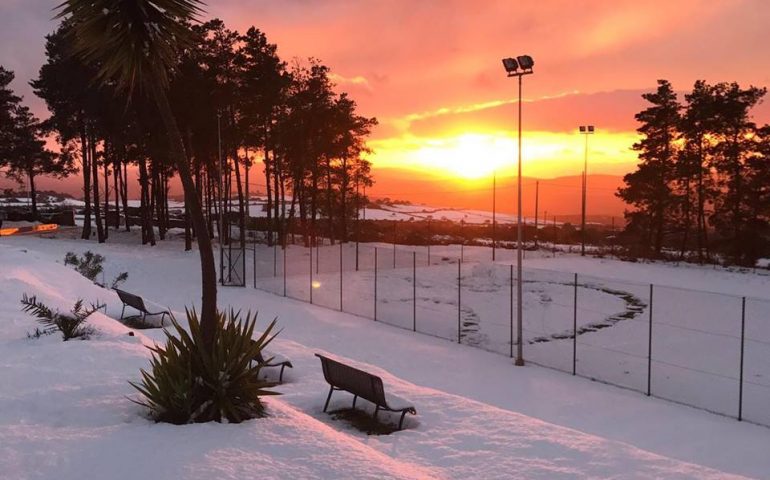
x: 512, y: 68
x: 510, y: 65
x: 525, y: 62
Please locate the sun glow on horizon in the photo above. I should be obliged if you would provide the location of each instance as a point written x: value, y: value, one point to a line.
x: 470, y: 157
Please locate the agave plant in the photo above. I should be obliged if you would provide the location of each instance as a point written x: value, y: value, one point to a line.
x: 188, y: 383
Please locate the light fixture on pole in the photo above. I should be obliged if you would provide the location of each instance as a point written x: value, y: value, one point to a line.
x: 518, y: 67
x: 585, y: 130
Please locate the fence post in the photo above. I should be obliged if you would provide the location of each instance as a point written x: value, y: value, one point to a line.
x: 459, y: 293
x: 311, y: 271
x: 743, y: 339
x: 317, y: 253
x: 375, y: 284
x: 574, y: 327
x: 429, y: 253
x: 254, y: 266
x: 284, y: 269
x: 649, y: 349
x: 340, y: 275
x: 462, y: 252
x: 414, y: 291
x: 275, y: 260
x: 511, y: 298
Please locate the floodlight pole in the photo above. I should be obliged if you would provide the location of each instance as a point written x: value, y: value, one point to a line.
x: 494, y: 213
x: 518, y: 67
x: 584, y: 130
x: 519, y: 317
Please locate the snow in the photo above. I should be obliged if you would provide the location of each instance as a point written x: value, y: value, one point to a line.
x: 64, y: 412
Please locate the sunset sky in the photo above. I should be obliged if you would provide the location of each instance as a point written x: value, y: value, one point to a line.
x: 430, y: 71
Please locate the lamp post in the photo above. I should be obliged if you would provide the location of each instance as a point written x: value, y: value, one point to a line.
x: 518, y: 67
x: 585, y: 130
x: 494, y: 213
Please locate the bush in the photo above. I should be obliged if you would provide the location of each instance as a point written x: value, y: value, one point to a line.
x: 70, y: 326
x: 188, y: 384
x: 90, y: 265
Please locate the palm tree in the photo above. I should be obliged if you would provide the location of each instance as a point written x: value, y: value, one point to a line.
x: 135, y: 44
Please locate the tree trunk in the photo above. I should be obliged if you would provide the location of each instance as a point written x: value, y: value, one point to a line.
x: 95, y: 185
x: 115, y: 186
x: 208, y: 319
x: 269, y: 191
x: 344, y: 182
x: 329, y: 201
x: 241, y: 207
x: 33, y: 192
x: 144, y: 201
x: 106, y: 197
x: 279, y: 207
x: 86, y: 168
x: 124, y: 193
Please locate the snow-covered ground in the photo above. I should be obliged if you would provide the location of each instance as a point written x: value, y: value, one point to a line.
x: 64, y: 412
x: 697, y: 313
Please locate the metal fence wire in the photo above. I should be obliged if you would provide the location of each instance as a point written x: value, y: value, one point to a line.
x: 703, y: 349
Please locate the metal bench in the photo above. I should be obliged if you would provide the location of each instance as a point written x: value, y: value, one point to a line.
x: 136, y: 302
x: 273, y: 361
x: 360, y: 384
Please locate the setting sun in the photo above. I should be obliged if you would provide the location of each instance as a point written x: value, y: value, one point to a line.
x: 470, y: 156
x: 475, y: 156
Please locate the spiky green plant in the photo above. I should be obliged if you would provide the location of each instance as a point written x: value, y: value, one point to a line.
x: 71, y: 326
x: 187, y: 383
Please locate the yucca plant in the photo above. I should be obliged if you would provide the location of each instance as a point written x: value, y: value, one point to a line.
x: 71, y: 326
x: 188, y: 383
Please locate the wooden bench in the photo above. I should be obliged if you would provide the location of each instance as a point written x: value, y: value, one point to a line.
x: 136, y: 302
x: 360, y: 384
x: 273, y: 361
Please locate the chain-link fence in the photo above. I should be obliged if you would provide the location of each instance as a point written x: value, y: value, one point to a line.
x: 707, y: 350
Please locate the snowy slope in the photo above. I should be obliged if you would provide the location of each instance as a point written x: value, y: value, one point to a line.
x: 64, y: 412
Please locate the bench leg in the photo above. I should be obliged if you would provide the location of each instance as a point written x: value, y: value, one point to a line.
x: 326, y: 405
x: 401, y: 422
x: 280, y: 375
x: 376, y: 411
x: 355, y: 397
x: 123, y: 311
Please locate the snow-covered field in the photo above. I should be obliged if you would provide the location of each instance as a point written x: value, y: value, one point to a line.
x: 64, y: 412
x: 691, y: 318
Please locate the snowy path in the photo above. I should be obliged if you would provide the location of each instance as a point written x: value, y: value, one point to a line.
x: 482, y: 426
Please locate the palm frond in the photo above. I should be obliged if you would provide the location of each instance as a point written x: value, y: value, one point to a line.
x: 131, y: 42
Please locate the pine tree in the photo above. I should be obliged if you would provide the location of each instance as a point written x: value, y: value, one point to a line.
x: 734, y: 143
x: 9, y: 103
x: 649, y: 188
x: 28, y: 156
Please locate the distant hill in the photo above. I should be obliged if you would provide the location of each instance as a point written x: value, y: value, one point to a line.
x: 560, y: 196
